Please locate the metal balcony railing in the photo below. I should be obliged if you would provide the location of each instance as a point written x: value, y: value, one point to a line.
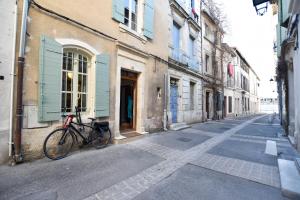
x: 178, y: 55
x: 193, y: 64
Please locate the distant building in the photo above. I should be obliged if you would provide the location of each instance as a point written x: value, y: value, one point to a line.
x: 269, y: 105
x: 241, y: 84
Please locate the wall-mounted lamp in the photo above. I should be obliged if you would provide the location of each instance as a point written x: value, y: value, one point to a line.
x: 261, y: 6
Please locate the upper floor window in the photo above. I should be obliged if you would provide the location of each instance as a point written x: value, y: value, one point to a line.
x: 130, y: 13
x: 195, y: 14
x: 74, y: 81
x: 206, y: 62
x: 191, y: 45
x: 176, y: 35
x: 206, y: 33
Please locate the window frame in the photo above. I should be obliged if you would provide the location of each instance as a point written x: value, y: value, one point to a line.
x: 177, y: 27
x: 75, y: 82
x: 191, y: 46
x: 207, y: 60
x: 130, y: 9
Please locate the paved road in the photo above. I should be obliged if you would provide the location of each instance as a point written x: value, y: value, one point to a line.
x: 214, y: 160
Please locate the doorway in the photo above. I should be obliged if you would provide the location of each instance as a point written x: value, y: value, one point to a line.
x: 225, y: 106
x: 174, y: 99
x: 128, y: 101
x: 207, y: 104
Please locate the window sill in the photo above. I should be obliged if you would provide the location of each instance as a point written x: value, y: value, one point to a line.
x: 124, y: 29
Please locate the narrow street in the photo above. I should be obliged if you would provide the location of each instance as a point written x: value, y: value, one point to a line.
x: 214, y: 160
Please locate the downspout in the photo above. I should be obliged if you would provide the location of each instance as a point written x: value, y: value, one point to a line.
x: 165, y: 119
x: 12, y: 90
x: 21, y: 63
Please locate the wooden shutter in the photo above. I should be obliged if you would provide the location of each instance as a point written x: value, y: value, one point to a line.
x: 102, y: 86
x: 149, y: 19
x: 118, y: 10
x: 50, y: 80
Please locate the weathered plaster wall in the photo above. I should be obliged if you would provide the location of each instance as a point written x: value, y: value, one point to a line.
x: 7, y: 36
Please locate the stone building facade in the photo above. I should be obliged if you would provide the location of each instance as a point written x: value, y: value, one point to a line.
x: 95, y: 61
x: 240, y: 84
x: 212, y: 67
x: 163, y: 59
x: 184, y: 69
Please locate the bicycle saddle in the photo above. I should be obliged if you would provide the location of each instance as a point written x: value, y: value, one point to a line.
x: 93, y: 119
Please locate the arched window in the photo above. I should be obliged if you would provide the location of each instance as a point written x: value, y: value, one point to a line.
x: 74, y: 90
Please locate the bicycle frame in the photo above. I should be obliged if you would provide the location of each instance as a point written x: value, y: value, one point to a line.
x: 74, y: 129
x: 70, y: 125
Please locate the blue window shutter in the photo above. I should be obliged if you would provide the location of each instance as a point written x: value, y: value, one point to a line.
x: 149, y: 19
x: 50, y: 80
x: 118, y: 10
x: 102, y: 86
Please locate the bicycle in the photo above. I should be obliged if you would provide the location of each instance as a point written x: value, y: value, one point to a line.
x: 59, y: 142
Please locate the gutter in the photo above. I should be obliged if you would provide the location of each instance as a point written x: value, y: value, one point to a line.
x: 12, y: 91
x: 18, y: 157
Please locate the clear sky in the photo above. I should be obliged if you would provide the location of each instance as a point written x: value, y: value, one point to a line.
x: 253, y: 35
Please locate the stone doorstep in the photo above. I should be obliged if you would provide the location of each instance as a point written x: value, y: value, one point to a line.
x: 297, y: 163
x: 271, y: 148
x: 289, y: 179
x: 178, y: 126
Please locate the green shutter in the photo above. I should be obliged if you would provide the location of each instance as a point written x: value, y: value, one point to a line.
x: 50, y: 80
x: 102, y: 86
x: 118, y: 10
x: 149, y: 19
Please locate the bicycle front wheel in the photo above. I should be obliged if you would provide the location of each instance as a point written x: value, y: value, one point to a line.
x: 101, y: 139
x: 58, y: 144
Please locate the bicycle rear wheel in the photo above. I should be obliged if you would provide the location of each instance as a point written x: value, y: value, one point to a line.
x: 101, y: 139
x: 58, y: 144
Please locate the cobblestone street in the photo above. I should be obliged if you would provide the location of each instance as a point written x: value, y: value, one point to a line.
x: 214, y: 160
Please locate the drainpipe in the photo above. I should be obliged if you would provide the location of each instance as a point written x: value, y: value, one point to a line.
x: 165, y: 102
x: 10, y: 142
x: 19, y: 107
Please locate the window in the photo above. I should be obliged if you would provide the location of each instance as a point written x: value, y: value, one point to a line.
x: 192, y: 96
x: 74, y: 81
x: 191, y: 45
x: 206, y: 62
x: 130, y: 14
x: 207, y: 31
x: 176, y: 35
x: 230, y: 104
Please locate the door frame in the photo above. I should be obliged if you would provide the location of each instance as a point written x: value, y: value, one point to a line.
x: 135, y: 79
x: 207, y: 104
x: 176, y: 101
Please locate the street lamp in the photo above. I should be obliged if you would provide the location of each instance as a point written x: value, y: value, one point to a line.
x: 261, y: 6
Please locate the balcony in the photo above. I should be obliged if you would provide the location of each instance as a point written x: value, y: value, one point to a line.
x: 180, y: 56
x: 230, y: 83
